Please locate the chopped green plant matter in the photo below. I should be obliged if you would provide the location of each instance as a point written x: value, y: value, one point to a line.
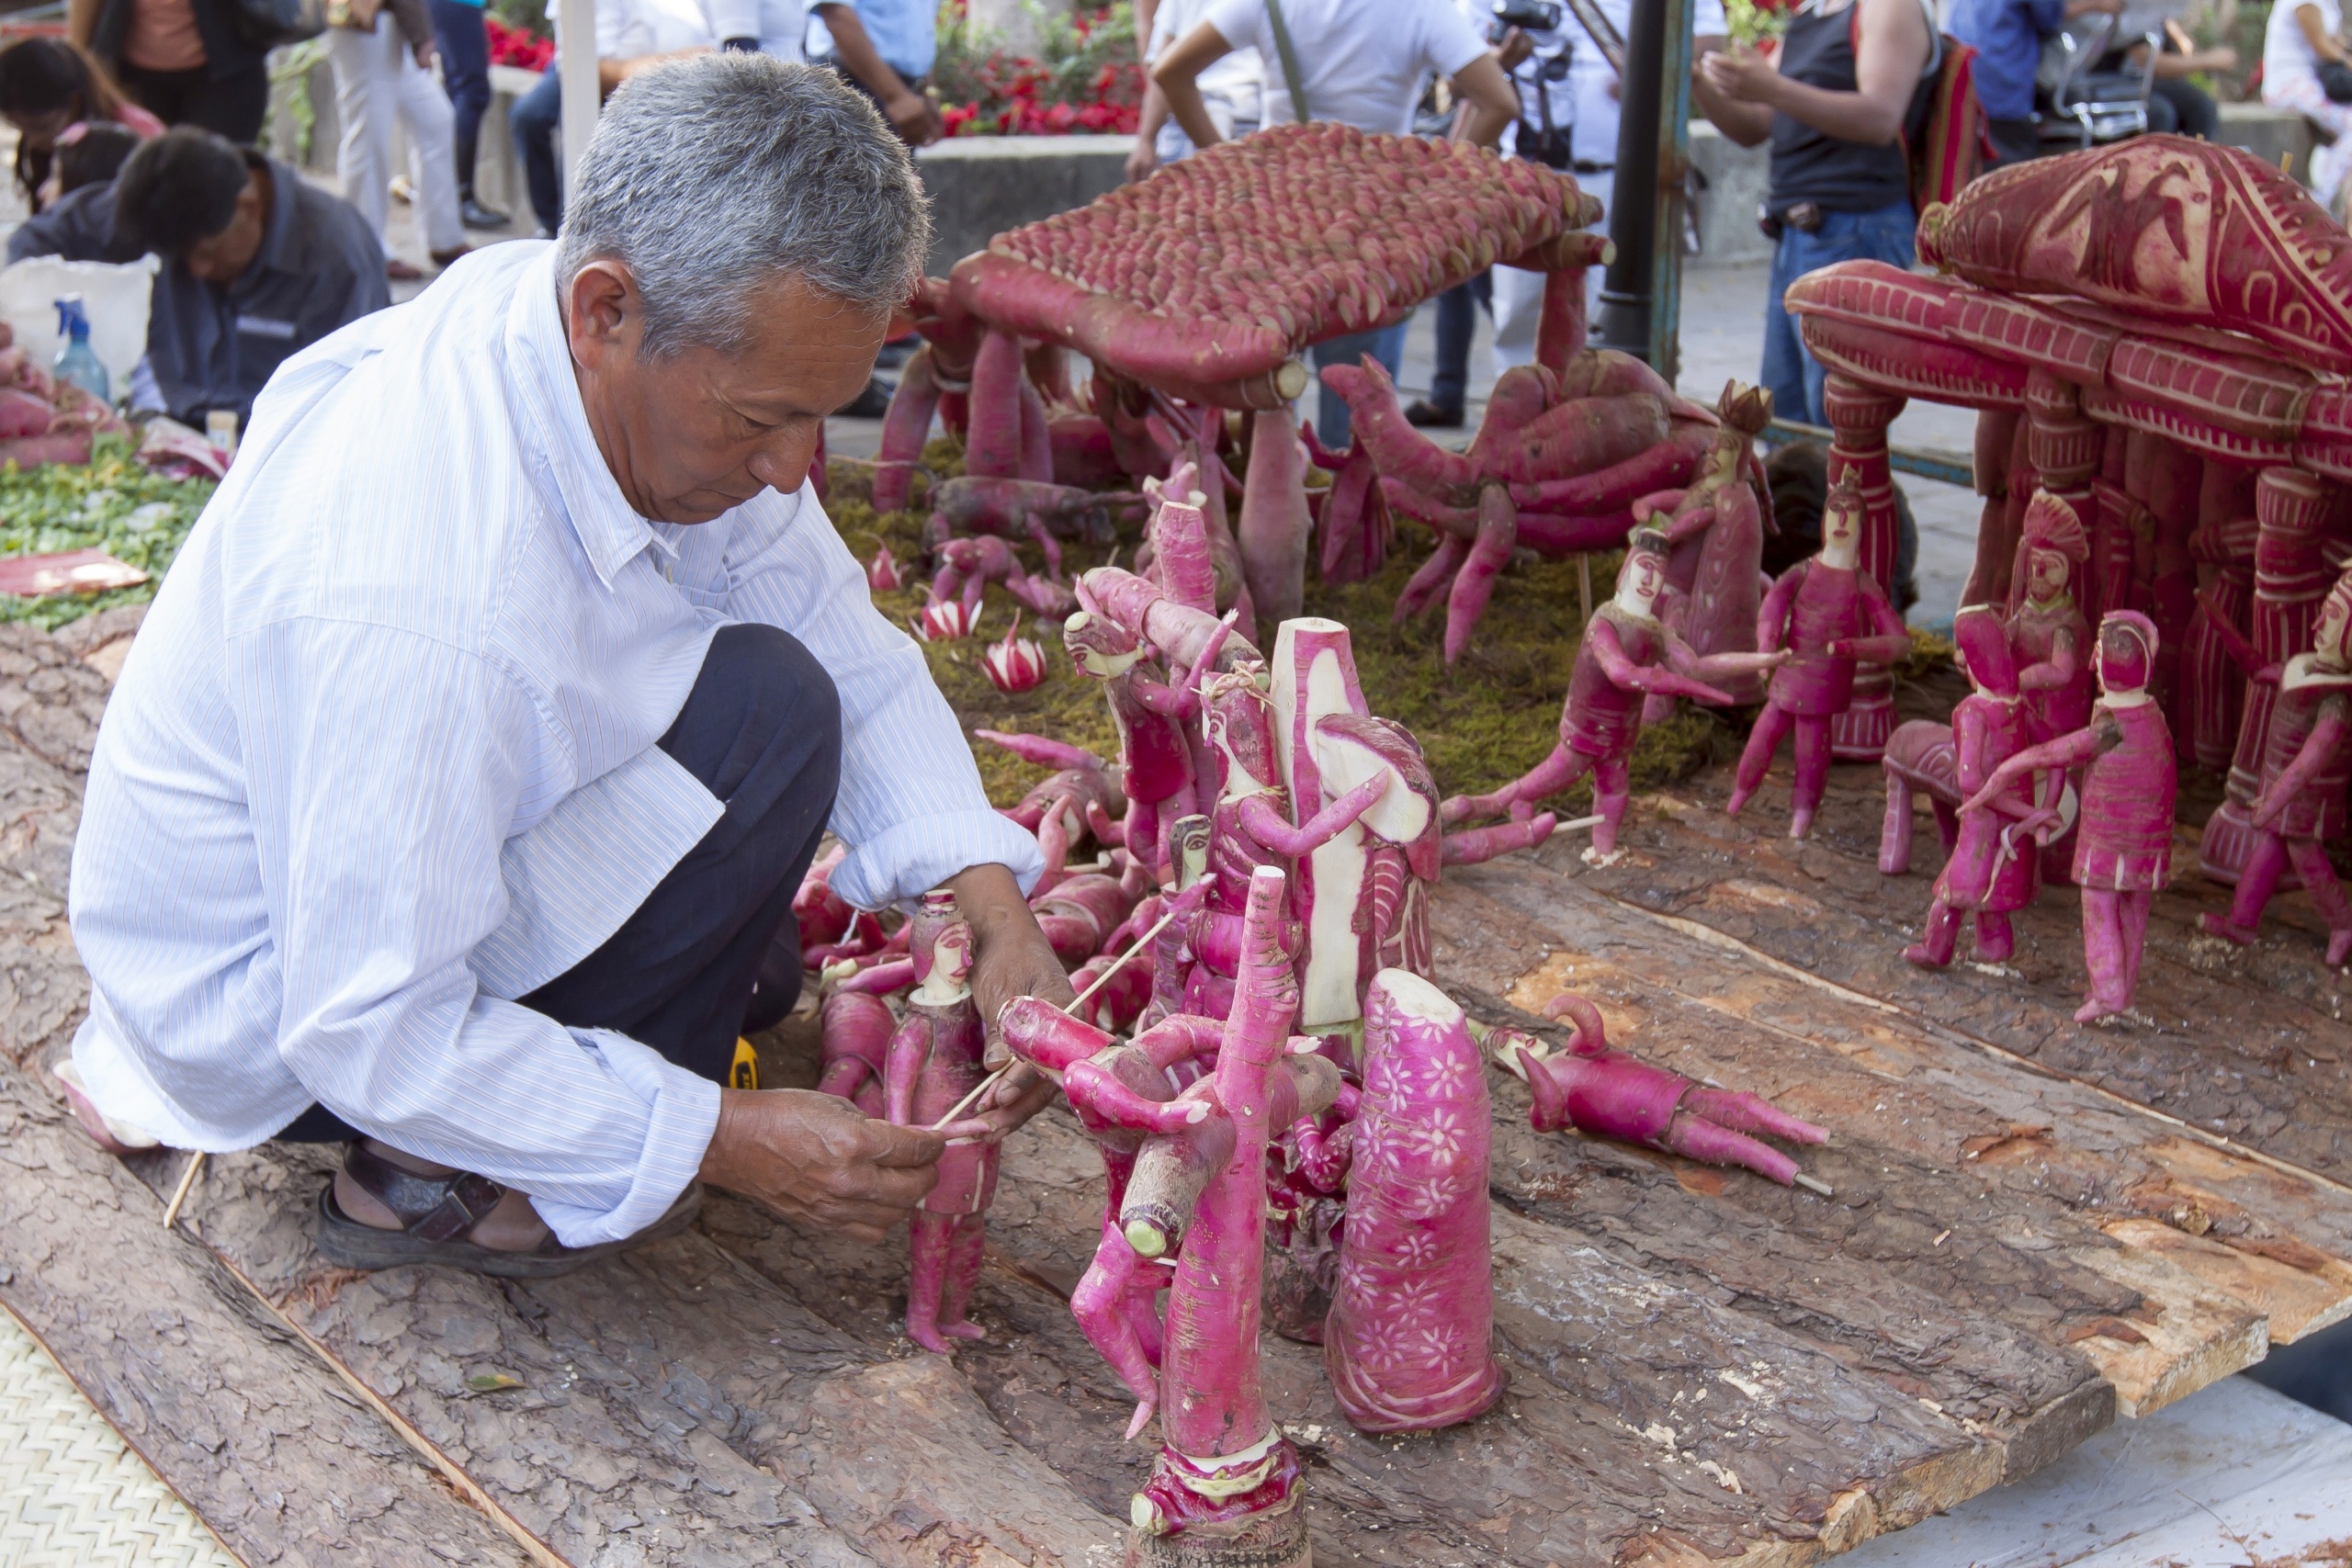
x: 114, y: 504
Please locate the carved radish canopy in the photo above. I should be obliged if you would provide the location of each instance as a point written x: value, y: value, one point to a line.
x: 2164, y: 227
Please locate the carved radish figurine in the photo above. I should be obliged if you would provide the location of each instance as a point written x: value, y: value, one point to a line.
x: 1996, y: 864
x: 1611, y: 1094
x: 1407, y: 1341
x: 1627, y: 654
x: 2123, y: 840
x: 933, y: 1063
x: 2306, y: 764
x: 1832, y: 616
x: 1716, y: 528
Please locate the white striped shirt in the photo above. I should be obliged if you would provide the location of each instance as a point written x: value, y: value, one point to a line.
x: 382, y: 759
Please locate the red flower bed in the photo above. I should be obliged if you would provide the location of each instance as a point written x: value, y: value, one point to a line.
x: 518, y: 47
x: 1085, y: 80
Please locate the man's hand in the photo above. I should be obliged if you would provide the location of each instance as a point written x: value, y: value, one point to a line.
x: 1143, y: 160
x: 1740, y: 75
x: 1010, y: 957
x: 814, y: 1160
x: 1513, y: 52
x: 912, y: 117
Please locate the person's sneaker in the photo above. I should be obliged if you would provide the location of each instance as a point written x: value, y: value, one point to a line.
x: 1428, y: 415
x: 872, y: 404
x: 476, y: 216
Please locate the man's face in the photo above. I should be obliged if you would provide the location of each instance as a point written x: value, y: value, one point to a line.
x: 1645, y: 575
x: 2048, y: 573
x: 697, y: 433
x: 223, y: 258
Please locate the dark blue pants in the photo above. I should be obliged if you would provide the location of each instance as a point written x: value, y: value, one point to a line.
x: 713, y: 951
x: 1457, y: 324
x: 465, y: 72
x: 535, y: 121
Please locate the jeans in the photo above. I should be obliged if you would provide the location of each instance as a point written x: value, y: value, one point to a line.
x: 2180, y: 106
x: 465, y: 72
x: 234, y: 106
x: 714, y: 951
x: 2013, y: 142
x: 534, y: 121
x: 1384, y: 344
x: 1790, y: 374
x: 1457, y: 324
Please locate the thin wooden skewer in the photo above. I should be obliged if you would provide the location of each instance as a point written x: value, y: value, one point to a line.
x: 1813, y: 1184
x: 1075, y: 1003
x: 179, y: 1194
x: 1584, y: 583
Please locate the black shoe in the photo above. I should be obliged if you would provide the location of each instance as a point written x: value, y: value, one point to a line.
x: 872, y: 404
x: 476, y: 216
x: 1426, y: 415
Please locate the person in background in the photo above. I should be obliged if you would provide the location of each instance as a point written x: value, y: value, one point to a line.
x: 886, y: 48
x: 2007, y: 35
x: 1229, y: 88
x: 90, y: 153
x: 630, y: 37
x: 1361, y: 62
x: 1836, y: 113
x: 47, y: 86
x: 2175, y: 102
x: 183, y: 60
x: 382, y: 56
x: 2301, y: 41
x: 257, y: 263
x: 464, y: 47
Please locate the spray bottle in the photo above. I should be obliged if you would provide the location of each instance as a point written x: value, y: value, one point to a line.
x: 75, y: 362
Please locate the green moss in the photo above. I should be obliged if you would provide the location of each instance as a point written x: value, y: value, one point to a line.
x: 1482, y: 722
x: 114, y: 504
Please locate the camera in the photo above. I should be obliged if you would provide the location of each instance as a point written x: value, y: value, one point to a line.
x: 1527, y: 16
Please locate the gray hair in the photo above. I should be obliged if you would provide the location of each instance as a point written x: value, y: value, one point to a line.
x: 708, y: 177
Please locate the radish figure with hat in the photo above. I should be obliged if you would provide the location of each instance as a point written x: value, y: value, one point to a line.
x: 2306, y: 764
x: 1996, y: 864
x: 2123, y: 839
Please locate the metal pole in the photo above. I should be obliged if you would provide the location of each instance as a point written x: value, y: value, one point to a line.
x: 576, y: 57
x: 1673, y: 183
x: 1634, y: 225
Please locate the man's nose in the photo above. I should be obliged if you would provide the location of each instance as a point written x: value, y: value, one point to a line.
x: 783, y: 463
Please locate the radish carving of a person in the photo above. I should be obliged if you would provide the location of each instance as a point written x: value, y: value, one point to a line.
x: 1716, y: 528
x: 1153, y: 716
x: 1608, y: 1094
x: 2123, y: 838
x: 1627, y: 655
x: 1251, y: 827
x: 933, y: 1063
x: 2306, y: 764
x: 2049, y: 634
x: 1996, y: 864
x: 1831, y: 616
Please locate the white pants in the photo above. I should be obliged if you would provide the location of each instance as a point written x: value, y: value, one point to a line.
x: 2301, y: 94
x: 375, y: 78
x: 1519, y: 295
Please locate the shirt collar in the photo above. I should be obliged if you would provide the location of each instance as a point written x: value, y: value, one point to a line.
x: 610, y: 530
x: 278, y: 234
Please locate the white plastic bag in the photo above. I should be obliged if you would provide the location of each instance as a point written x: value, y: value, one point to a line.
x: 115, y: 297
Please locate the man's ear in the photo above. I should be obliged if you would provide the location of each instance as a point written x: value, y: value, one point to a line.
x: 601, y: 313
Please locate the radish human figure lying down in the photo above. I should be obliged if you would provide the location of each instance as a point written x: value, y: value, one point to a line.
x: 2123, y: 838
x: 1611, y: 1095
x: 1628, y: 655
x: 933, y: 1063
x: 1830, y: 615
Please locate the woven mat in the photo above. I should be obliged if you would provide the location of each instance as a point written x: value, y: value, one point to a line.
x: 71, y: 1493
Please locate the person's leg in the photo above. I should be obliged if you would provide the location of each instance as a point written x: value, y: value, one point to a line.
x: 363, y: 102
x: 761, y: 731
x: 2013, y: 142
x: 2194, y: 113
x: 1937, y: 944
x: 2326, y: 894
x: 465, y: 71
x: 2257, y: 881
x: 1756, y: 757
x: 1331, y: 424
x: 532, y: 124
x: 1782, y: 371
x: 1457, y: 322
x: 2103, y: 955
x: 432, y: 160
x: 1519, y: 311
x: 1812, y: 772
x: 2163, y: 118
x: 164, y: 94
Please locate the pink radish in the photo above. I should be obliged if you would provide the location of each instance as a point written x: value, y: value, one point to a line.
x: 1275, y: 523
x: 905, y: 427
x: 1489, y: 553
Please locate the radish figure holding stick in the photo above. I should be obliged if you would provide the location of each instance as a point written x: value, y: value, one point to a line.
x: 2123, y: 839
x: 1627, y: 655
x: 1832, y: 616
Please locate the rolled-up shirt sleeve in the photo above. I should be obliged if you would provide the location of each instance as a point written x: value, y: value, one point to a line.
x: 912, y: 807
x: 385, y: 772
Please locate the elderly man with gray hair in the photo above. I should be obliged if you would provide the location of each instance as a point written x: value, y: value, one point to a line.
x: 454, y: 797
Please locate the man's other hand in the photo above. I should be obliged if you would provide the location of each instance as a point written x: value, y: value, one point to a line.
x: 1010, y: 957
x: 813, y: 1160
x: 913, y: 117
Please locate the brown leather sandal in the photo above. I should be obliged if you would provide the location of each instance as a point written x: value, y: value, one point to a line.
x: 436, y: 1214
